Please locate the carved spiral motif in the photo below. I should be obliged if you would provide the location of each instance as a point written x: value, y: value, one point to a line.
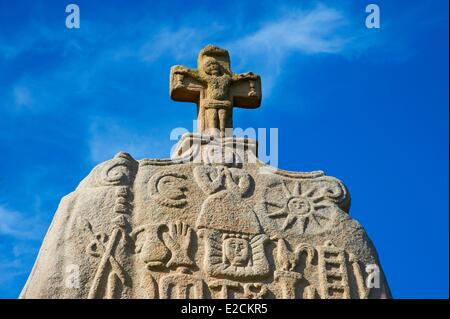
x: 116, y: 171
x: 330, y: 188
x: 115, y: 174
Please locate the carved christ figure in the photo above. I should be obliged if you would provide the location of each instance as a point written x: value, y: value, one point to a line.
x: 215, y: 89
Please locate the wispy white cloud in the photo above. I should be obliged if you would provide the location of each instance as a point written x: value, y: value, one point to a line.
x: 22, y: 97
x: 108, y: 137
x: 179, y: 43
x: 23, y: 249
x: 320, y: 30
x: 17, y: 259
x: 20, y: 226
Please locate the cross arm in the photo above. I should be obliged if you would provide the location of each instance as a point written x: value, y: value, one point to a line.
x: 246, y: 90
x: 185, y: 84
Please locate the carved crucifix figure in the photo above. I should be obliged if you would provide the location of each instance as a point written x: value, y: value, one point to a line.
x: 215, y: 89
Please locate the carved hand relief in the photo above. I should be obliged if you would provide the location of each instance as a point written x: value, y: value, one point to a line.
x: 306, y: 206
x: 233, y: 266
x: 168, y: 189
x: 178, y: 240
x: 232, y: 247
x: 162, y: 246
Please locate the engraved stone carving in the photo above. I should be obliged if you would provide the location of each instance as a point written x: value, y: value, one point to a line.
x: 286, y: 261
x: 149, y: 245
x: 223, y: 288
x: 236, y: 250
x: 231, y: 151
x: 178, y: 240
x: 148, y: 285
x: 235, y: 256
x: 287, y: 280
x: 227, y: 289
x: 234, y: 243
x: 110, y: 279
x: 255, y: 291
x: 122, y: 204
x: 306, y: 205
x: 118, y: 171
x: 225, y: 209
x: 168, y: 189
x: 181, y: 286
x: 159, y: 245
x: 96, y: 247
x: 333, y: 275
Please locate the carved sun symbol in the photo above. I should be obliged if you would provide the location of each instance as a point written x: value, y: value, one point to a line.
x: 300, y: 206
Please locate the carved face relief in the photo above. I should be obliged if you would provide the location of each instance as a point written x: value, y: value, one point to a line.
x: 299, y: 206
x: 212, y: 67
x: 242, y: 256
x: 236, y: 251
x: 168, y: 189
x: 307, y: 206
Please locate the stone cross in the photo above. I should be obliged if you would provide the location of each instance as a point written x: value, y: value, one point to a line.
x: 215, y: 90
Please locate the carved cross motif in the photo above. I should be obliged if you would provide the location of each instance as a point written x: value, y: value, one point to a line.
x: 215, y: 89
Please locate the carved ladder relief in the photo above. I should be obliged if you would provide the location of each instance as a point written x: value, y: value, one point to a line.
x: 333, y: 277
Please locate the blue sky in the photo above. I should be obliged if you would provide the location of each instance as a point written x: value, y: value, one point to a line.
x: 369, y: 106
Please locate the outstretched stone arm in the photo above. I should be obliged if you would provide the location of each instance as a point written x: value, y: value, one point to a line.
x: 185, y: 84
x: 247, y: 90
x: 182, y: 70
x: 245, y: 77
